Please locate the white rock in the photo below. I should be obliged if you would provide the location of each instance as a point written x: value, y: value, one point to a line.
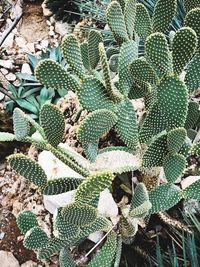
x: 46, y: 11
x: 26, y: 68
x: 29, y: 264
x: 95, y: 237
x: 8, y: 260
x: 189, y: 180
x: 11, y: 77
x: 6, y: 64
x: 107, y: 206
x: 53, y: 202
x: 30, y: 47
x: 20, y: 42
x: 61, y: 28
x: 1, y: 96
x: 4, y: 71
x: 9, y: 40
x: 44, y: 43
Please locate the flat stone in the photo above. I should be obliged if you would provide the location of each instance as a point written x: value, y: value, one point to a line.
x: 4, y: 71
x: 11, y: 77
x: 20, y: 42
x: 44, y: 43
x: 1, y: 96
x: 189, y: 180
x: 29, y: 264
x: 61, y: 28
x: 8, y: 260
x: 6, y: 64
x: 26, y: 68
x: 30, y: 47
x: 9, y: 40
x: 107, y: 206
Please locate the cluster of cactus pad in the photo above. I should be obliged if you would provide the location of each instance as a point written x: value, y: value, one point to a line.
x: 106, y: 82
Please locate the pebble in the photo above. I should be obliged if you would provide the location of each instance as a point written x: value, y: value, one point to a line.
x: 8, y: 260
x: 7, y: 64
x: 29, y: 264
x: 46, y: 11
x: 20, y: 42
x: 1, y: 98
x: 44, y: 43
x: 4, y: 71
x: 61, y: 28
x: 11, y: 77
x: 26, y: 69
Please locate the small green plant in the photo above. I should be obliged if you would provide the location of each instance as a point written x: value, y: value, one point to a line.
x: 159, y: 140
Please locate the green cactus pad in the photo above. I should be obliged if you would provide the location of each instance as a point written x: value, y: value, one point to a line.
x: 53, y: 246
x: 183, y: 48
x: 91, y: 151
x: 78, y: 214
x: 195, y: 150
x: 157, y: 53
x: 65, y: 259
x: 193, y: 191
x: 114, y: 94
x: 63, y: 229
x: 140, y: 195
x: 84, y: 55
x: 193, y: 115
x: 93, y: 95
x: 175, y: 139
x: 7, y: 137
x: 53, y: 123
x: 126, y: 125
x: 72, y: 54
x: 35, y: 238
x: 116, y: 22
x: 113, y: 62
x: 142, y: 21
x: 143, y: 72
x: 51, y: 74
x: 26, y: 220
x: 126, y: 227
x: 141, y: 211
x: 118, y: 251
x: 192, y: 21
x: 164, y: 11
x: 94, y: 39
x: 128, y: 52
x: 192, y: 78
x: 164, y: 197
x: 61, y: 185
x: 92, y: 186
x: 105, y: 256
x: 21, y: 124
x: 139, y: 89
x: 156, y: 152
x: 129, y: 17
x: 28, y: 168
x: 186, y: 147
x: 190, y: 4
x: 95, y: 125
x: 174, y: 165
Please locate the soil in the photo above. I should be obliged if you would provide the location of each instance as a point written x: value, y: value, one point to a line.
x: 33, y: 26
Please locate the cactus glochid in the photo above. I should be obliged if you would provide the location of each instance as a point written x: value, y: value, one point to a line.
x: 108, y: 82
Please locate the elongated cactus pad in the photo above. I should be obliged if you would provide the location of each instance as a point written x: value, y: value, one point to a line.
x: 175, y: 139
x: 26, y: 220
x: 7, y: 137
x: 61, y: 185
x: 163, y: 14
x: 92, y: 186
x: 35, y: 238
x: 94, y: 39
x: 143, y: 25
x: 28, y: 168
x: 93, y: 95
x: 91, y: 150
x: 140, y: 195
x: 72, y: 54
x: 174, y: 165
x: 183, y: 48
x: 51, y: 74
x: 193, y: 191
x: 84, y: 55
x: 128, y: 52
x: 53, y: 123
x: 156, y: 152
x: 164, y: 197
x: 114, y: 94
x: 157, y: 53
x: 141, y: 211
x: 95, y: 125
x: 21, y: 124
x: 192, y: 78
x: 129, y: 17
x: 116, y: 21
x: 126, y: 125
x: 118, y: 251
x: 79, y: 215
x: 193, y: 114
x: 192, y: 21
x: 65, y: 259
x: 105, y: 256
x: 127, y: 227
x: 142, y: 71
x: 63, y: 229
x: 190, y: 4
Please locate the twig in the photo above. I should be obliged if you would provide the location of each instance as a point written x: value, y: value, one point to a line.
x: 5, y: 92
x: 9, y: 30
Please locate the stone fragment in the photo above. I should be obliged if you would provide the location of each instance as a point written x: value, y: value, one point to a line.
x: 8, y: 260
x: 26, y: 69
x: 11, y: 77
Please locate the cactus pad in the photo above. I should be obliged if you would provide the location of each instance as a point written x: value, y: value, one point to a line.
x: 193, y: 191
x: 65, y: 259
x: 175, y: 139
x: 143, y: 25
x: 94, y: 39
x: 21, y: 124
x: 192, y: 78
x: 26, y: 220
x: 129, y: 17
x: 192, y: 21
x: 35, y: 238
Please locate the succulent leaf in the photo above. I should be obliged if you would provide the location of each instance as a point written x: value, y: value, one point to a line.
x: 84, y: 55
x: 7, y: 137
x: 91, y: 150
x: 192, y: 191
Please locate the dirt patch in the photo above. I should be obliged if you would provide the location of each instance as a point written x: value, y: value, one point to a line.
x: 33, y: 24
